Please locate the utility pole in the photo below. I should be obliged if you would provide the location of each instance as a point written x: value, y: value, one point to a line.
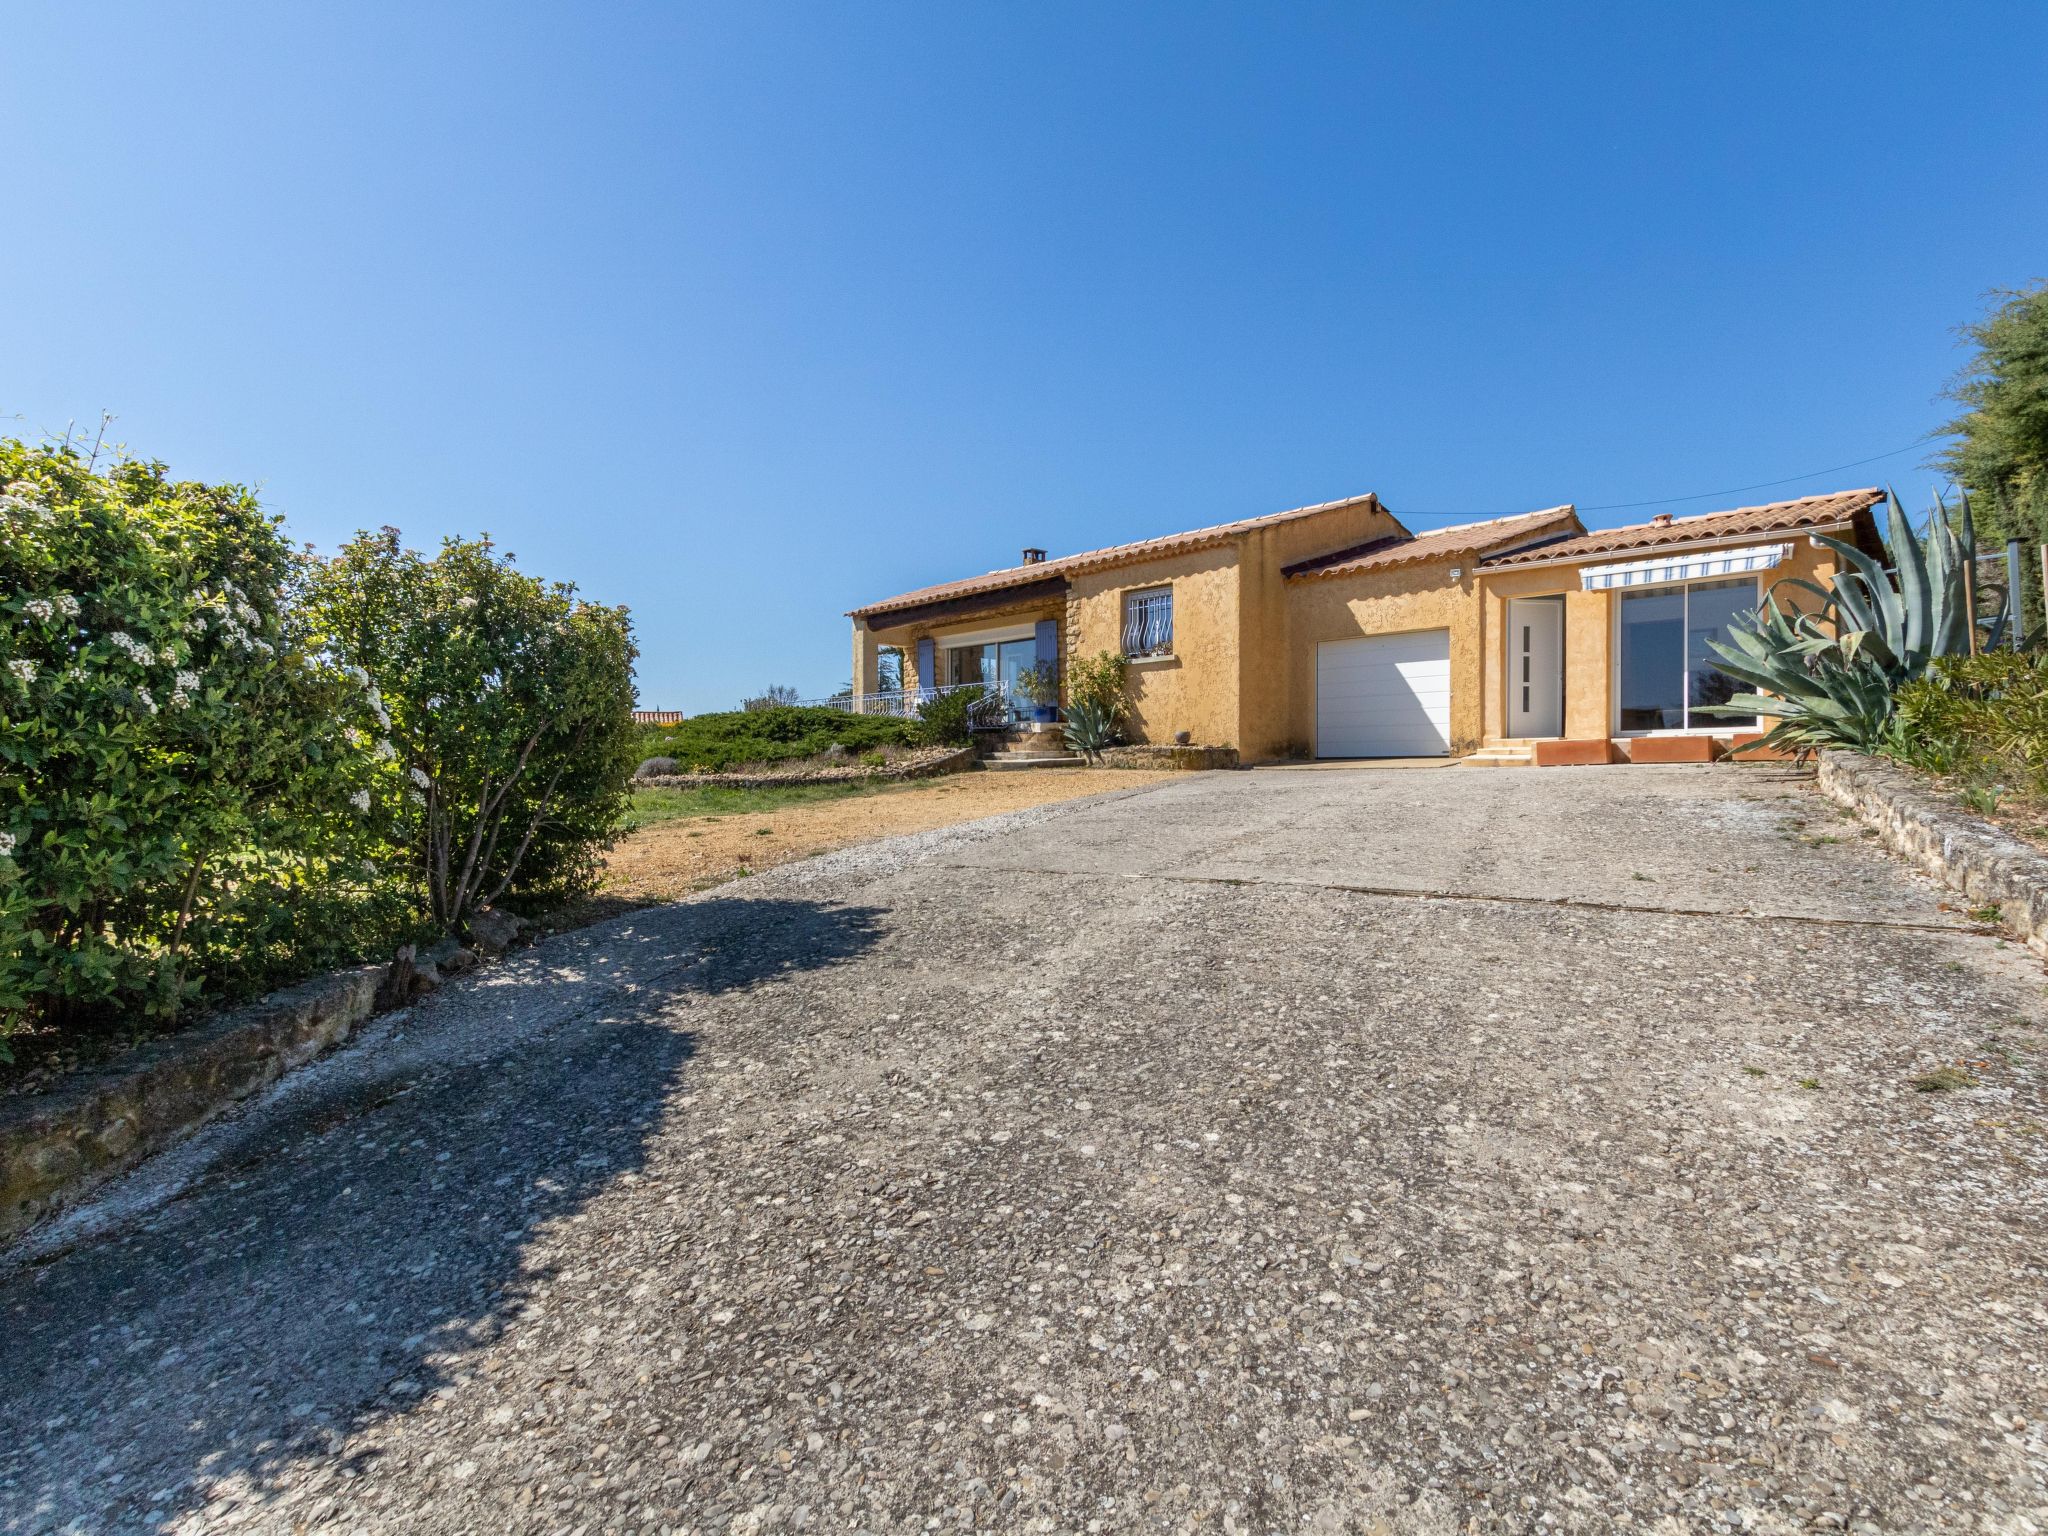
x: 2013, y: 572
x: 1970, y: 597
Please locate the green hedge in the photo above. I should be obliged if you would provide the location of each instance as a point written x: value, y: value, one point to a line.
x: 226, y: 764
x: 723, y: 741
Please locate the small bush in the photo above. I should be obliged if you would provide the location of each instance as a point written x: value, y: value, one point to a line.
x: 1089, y: 729
x: 716, y: 743
x: 1102, y: 682
x: 874, y: 759
x: 943, y: 719
x: 508, y: 702
x: 1982, y: 720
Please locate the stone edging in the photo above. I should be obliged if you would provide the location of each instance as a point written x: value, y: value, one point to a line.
x: 1991, y: 867
x: 952, y: 762
x: 56, y: 1146
x: 1167, y: 755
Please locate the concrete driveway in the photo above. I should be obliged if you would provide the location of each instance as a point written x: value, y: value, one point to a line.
x: 1328, y: 1152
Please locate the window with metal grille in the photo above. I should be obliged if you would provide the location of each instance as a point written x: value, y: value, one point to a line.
x: 1148, y: 622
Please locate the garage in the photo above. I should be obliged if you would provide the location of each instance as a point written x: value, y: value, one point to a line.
x: 1384, y: 695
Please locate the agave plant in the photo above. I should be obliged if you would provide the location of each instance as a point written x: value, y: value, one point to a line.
x: 1090, y: 728
x: 1829, y: 675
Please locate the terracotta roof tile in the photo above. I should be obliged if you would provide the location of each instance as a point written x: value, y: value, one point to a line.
x: 1438, y: 544
x: 1096, y: 559
x: 1775, y: 517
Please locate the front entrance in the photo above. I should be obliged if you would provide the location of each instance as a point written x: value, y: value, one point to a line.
x: 1535, y: 666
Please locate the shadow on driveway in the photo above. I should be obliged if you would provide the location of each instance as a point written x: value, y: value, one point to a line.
x: 338, y: 1269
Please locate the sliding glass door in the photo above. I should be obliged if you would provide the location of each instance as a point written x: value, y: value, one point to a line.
x: 1002, y: 662
x: 1666, y: 671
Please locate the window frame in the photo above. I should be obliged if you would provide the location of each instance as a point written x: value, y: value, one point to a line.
x: 1616, y: 631
x: 1132, y: 596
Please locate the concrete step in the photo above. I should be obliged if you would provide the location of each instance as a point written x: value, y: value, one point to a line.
x: 1502, y: 757
x: 1014, y: 760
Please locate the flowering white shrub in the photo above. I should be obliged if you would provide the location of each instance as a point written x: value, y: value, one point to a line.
x: 175, y: 794
x: 509, y: 702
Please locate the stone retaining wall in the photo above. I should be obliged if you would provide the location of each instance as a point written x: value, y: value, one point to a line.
x: 1990, y: 867
x: 1169, y: 756
x: 925, y: 768
x: 56, y: 1146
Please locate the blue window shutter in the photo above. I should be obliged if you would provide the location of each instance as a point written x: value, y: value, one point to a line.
x: 1048, y: 645
x: 927, y: 668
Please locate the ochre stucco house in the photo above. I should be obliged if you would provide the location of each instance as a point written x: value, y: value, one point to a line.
x: 1336, y: 631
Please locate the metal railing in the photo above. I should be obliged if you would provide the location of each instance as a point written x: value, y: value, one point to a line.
x: 992, y: 708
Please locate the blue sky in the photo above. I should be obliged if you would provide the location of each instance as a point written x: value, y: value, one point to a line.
x: 745, y: 314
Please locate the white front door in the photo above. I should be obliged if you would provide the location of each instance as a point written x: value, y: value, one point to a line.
x: 1536, y: 666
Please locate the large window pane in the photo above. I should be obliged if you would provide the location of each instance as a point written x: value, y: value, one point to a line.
x: 971, y: 664
x: 1653, y: 660
x: 1711, y: 606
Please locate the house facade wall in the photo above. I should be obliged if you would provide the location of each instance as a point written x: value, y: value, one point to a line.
x: 1196, y: 688
x: 1270, y: 724
x: 1227, y: 681
x: 1589, y: 638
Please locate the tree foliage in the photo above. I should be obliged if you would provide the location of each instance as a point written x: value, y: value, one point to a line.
x: 2000, y: 453
x: 226, y: 764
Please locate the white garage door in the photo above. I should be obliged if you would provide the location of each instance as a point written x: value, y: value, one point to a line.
x: 1384, y: 696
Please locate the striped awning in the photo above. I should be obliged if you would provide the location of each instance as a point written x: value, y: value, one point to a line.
x: 1700, y: 565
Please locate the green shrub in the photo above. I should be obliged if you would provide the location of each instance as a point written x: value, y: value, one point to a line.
x: 1040, y: 684
x: 1102, y: 681
x: 186, y: 771
x: 1981, y: 719
x: 943, y: 720
x: 509, y: 703
x: 1089, y: 729
x: 1831, y: 676
x: 722, y: 741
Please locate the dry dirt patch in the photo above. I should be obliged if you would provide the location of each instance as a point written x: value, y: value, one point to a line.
x: 674, y: 858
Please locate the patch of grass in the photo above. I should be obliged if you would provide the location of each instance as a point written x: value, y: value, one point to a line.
x: 1754, y: 1071
x: 1811, y: 1084
x: 1639, y: 875
x: 651, y: 807
x: 1943, y: 1080
x: 1991, y: 912
x: 1982, y: 798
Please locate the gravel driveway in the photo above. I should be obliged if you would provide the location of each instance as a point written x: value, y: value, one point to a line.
x: 1274, y: 1152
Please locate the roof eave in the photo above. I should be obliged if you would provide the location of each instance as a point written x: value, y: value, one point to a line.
x: 1680, y: 547
x: 1462, y: 552
x: 1135, y: 553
